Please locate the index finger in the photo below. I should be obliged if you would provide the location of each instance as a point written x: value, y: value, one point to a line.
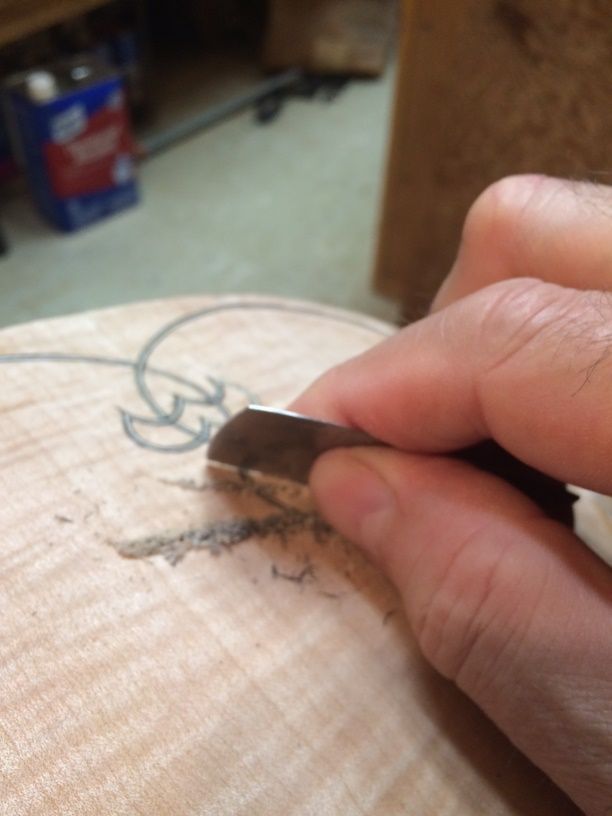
x: 553, y: 229
x: 523, y: 362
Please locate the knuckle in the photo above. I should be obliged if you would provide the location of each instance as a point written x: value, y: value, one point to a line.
x: 515, y: 313
x: 530, y: 325
x: 501, y: 212
x: 518, y: 302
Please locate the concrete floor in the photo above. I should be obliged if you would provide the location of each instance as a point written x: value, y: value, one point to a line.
x: 289, y: 208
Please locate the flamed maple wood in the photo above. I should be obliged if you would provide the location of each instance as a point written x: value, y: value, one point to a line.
x: 176, y: 639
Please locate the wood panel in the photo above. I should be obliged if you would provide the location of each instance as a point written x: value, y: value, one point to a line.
x: 486, y: 88
x: 18, y: 18
x: 329, y: 36
x: 178, y: 639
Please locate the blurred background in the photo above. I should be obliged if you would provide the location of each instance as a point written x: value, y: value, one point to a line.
x: 325, y: 149
x: 151, y: 149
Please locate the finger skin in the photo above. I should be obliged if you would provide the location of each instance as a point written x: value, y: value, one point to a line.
x: 505, y: 602
x: 502, y: 600
x: 526, y: 363
x: 552, y: 229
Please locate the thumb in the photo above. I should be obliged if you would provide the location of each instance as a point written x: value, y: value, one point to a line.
x: 505, y: 602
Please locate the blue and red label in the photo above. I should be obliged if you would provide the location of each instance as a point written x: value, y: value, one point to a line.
x: 79, y: 153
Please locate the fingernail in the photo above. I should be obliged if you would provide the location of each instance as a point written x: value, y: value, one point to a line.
x: 353, y: 497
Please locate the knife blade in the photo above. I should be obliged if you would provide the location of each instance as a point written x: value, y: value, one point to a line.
x: 284, y: 444
x: 280, y: 443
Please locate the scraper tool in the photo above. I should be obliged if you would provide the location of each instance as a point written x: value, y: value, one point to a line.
x: 285, y: 444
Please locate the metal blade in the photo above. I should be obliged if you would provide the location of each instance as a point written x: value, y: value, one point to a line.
x: 280, y: 443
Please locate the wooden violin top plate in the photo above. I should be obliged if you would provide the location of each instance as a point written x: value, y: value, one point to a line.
x: 177, y: 639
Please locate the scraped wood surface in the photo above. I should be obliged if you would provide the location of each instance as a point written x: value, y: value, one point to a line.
x: 178, y: 640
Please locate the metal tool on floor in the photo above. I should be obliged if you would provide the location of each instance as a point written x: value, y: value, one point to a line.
x: 158, y: 142
x: 268, y: 98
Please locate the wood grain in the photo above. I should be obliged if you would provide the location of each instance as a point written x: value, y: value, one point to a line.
x: 329, y: 36
x: 486, y: 88
x: 160, y: 657
x: 18, y: 18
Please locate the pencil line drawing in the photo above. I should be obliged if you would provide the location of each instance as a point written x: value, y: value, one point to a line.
x: 210, y: 396
x: 180, y: 413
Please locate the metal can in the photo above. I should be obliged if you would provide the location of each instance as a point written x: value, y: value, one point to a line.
x: 75, y: 141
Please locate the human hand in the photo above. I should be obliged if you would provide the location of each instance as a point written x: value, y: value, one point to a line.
x: 504, y: 601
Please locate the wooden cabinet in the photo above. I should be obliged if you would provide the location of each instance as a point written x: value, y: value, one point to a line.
x: 18, y: 18
x: 486, y: 88
x: 330, y: 36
